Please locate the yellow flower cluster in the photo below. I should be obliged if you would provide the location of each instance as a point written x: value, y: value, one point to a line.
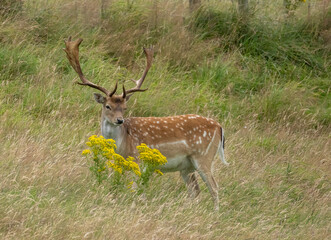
x: 102, y: 152
x: 106, y: 148
x: 101, y: 142
x: 119, y: 163
x: 86, y: 152
x: 151, y: 156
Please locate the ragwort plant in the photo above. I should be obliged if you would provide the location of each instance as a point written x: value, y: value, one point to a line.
x: 108, y: 166
x: 151, y: 160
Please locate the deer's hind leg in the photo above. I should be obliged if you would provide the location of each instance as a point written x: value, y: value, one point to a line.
x: 205, y: 171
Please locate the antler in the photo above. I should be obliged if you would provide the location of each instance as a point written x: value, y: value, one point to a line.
x: 149, y: 58
x: 72, y: 51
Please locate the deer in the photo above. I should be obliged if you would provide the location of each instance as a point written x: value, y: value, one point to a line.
x: 191, y: 143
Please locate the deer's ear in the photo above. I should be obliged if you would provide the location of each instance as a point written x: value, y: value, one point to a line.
x: 99, y: 98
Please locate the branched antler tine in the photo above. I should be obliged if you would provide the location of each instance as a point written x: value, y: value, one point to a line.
x: 149, y: 58
x: 72, y: 51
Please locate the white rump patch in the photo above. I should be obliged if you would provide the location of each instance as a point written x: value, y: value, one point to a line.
x: 212, y: 140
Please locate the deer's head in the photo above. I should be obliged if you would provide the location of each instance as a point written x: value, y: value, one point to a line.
x: 113, y: 106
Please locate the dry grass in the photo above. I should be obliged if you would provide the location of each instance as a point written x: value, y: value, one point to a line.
x: 277, y: 186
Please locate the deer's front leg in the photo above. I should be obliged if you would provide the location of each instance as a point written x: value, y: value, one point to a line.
x: 191, y: 182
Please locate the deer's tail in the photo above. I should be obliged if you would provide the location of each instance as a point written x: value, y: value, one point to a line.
x: 222, y: 147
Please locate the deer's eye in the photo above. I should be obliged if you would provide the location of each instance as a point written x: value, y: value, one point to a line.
x: 124, y: 109
x: 108, y: 107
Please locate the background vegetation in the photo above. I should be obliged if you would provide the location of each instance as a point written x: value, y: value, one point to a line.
x: 265, y: 79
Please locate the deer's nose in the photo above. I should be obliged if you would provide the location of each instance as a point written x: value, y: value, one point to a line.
x: 120, y: 121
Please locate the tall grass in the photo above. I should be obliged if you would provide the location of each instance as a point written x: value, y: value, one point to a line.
x: 266, y: 80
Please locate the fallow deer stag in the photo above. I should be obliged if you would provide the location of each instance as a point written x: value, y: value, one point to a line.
x: 190, y: 142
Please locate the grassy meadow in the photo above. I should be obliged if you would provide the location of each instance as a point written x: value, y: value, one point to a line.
x: 265, y: 78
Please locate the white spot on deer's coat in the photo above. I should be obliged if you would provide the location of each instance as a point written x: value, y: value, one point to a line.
x: 204, y: 133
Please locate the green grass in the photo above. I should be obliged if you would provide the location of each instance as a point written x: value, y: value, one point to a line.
x: 267, y: 81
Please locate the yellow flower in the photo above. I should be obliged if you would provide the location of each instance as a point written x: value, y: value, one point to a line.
x: 130, y: 184
x: 102, y: 169
x: 102, y: 152
x: 158, y: 172
x: 118, y: 169
x: 86, y: 152
x: 151, y: 156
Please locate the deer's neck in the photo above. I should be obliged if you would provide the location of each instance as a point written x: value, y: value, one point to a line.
x: 117, y: 133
